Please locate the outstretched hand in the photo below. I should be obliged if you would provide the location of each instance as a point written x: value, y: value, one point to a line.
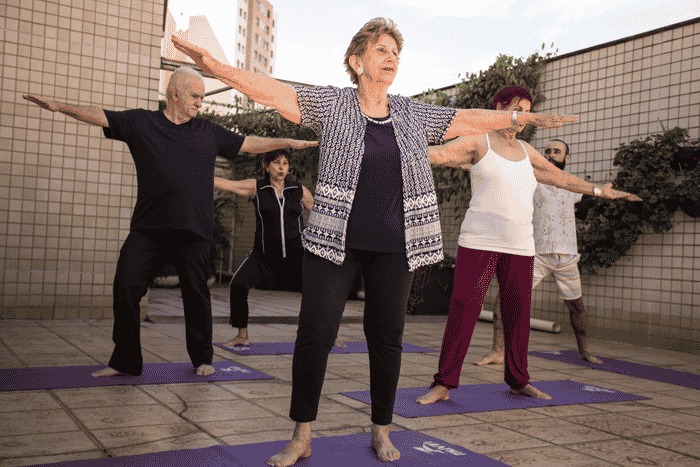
x: 607, y: 191
x: 201, y: 57
x: 302, y: 144
x: 548, y: 120
x: 42, y: 102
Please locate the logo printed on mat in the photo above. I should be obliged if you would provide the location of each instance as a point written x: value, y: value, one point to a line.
x: 430, y: 447
x: 235, y: 369
x: 553, y: 352
x: 597, y: 389
x: 237, y: 348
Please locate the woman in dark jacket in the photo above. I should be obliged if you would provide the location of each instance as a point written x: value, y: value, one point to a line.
x: 276, y: 259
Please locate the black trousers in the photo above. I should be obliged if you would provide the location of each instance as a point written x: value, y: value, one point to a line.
x: 143, y: 253
x: 325, y: 289
x: 264, y: 272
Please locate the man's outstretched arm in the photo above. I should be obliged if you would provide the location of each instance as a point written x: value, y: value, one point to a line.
x: 84, y: 113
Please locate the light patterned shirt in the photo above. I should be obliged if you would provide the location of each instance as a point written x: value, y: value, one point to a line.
x: 554, y: 223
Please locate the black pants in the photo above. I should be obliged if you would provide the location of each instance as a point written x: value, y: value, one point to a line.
x: 325, y: 290
x: 264, y: 272
x: 142, y: 254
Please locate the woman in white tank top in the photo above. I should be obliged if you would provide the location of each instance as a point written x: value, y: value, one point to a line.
x: 496, y: 238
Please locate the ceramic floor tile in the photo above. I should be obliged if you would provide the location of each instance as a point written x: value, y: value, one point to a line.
x: 198, y: 412
x: 18, y: 401
x: 557, y: 431
x: 223, y: 428
x: 193, y: 441
x: 104, y: 397
x: 441, y: 421
x: 686, y: 443
x: 258, y: 389
x: 621, y: 425
x: 627, y: 452
x: 50, y: 459
x: 485, y: 438
x: 112, y: 438
x: 45, y: 444
x: 96, y: 418
x: 36, y: 421
x: 547, y: 456
x: 673, y: 418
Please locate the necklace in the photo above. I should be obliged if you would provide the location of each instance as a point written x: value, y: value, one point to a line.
x: 378, y: 122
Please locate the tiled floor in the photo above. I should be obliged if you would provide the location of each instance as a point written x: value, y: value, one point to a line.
x: 72, y: 424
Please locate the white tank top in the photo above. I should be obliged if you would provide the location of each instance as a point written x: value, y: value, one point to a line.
x: 499, y: 217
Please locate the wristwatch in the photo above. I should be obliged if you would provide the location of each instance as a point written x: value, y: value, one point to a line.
x: 596, y: 191
x: 514, y: 120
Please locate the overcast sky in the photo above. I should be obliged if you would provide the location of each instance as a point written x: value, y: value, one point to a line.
x: 443, y: 39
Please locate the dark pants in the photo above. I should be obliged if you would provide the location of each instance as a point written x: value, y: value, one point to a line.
x: 142, y: 254
x: 325, y: 289
x: 269, y: 273
x: 473, y: 274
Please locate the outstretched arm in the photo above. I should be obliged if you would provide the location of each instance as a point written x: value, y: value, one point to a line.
x: 262, y: 89
x: 261, y: 144
x: 479, y: 121
x: 307, y: 199
x: 547, y: 173
x: 84, y: 113
x: 240, y: 187
x: 460, y: 153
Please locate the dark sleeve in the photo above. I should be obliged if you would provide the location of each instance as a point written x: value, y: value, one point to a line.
x: 120, y: 124
x: 228, y: 142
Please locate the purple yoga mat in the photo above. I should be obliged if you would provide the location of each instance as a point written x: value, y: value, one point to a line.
x: 23, y: 379
x: 287, y: 348
x: 487, y: 397
x: 639, y: 370
x: 417, y: 450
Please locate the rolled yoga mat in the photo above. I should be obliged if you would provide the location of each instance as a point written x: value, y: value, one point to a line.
x: 417, y: 450
x: 23, y: 379
x: 639, y: 370
x: 486, y: 397
x: 287, y: 348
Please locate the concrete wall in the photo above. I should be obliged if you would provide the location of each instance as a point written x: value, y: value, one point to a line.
x: 66, y: 192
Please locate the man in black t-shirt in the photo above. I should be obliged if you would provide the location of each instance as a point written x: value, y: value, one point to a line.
x: 173, y: 220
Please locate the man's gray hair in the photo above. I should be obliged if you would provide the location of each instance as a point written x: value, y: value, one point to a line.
x: 180, y: 76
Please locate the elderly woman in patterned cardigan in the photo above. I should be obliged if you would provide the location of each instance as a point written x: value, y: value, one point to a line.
x: 374, y: 210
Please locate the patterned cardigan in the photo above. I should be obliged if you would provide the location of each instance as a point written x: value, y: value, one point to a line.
x: 334, y: 114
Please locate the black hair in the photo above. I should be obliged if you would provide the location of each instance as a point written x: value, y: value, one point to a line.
x: 566, y: 146
x: 270, y: 157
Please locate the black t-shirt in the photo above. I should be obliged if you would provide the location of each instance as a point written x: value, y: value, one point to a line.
x: 376, y: 220
x: 174, y: 168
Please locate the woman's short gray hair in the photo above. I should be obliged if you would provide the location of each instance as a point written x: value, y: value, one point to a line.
x: 180, y: 76
x: 370, y: 33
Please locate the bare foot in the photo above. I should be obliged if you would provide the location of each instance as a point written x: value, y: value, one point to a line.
x: 589, y: 357
x: 243, y: 341
x: 338, y: 343
x: 531, y: 391
x: 437, y: 393
x: 495, y: 357
x: 299, y: 447
x: 240, y: 339
x: 108, y: 371
x: 205, y: 370
x: 382, y: 445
